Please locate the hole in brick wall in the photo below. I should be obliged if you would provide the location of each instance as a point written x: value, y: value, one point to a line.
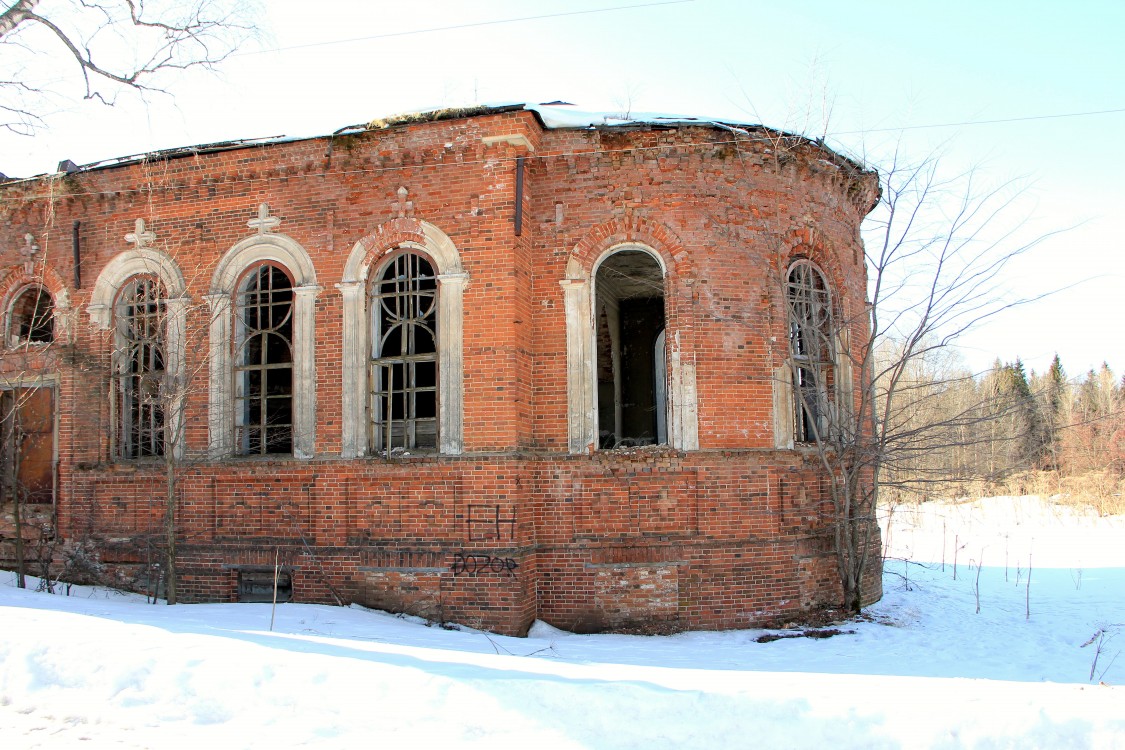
x: 32, y: 318
x: 257, y: 586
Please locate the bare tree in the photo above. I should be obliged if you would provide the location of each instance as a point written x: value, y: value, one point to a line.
x: 114, y: 45
x: 937, y: 249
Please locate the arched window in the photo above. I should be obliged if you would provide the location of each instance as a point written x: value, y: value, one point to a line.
x: 403, y: 369
x: 32, y: 317
x: 402, y: 342
x: 140, y: 356
x: 630, y: 371
x: 263, y: 349
x: 811, y: 334
x: 140, y: 296
x: 629, y: 310
x: 263, y: 362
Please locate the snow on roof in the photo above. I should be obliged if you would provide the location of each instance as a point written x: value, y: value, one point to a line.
x: 554, y: 115
x: 559, y: 115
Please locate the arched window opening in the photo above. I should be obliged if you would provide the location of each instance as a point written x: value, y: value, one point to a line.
x: 32, y: 318
x: 140, y: 355
x: 810, y: 347
x: 263, y: 362
x: 629, y: 312
x: 403, y: 368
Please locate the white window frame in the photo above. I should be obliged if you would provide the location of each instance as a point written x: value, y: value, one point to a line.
x: 150, y: 262
x: 580, y: 304
x: 284, y: 251
x: 366, y: 256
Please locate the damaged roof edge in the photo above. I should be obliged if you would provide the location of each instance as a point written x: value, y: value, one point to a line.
x: 555, y: 115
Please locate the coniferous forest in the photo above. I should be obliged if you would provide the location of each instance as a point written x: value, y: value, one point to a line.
x: 1009, y: 431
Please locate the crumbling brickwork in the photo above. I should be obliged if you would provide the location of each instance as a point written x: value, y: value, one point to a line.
x: 532, y: 502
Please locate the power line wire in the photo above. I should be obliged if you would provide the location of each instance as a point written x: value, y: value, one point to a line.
x: 1025, y: 118
x: 455, y: 27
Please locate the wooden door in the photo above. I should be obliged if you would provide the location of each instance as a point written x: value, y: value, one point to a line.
x: 27, y: 443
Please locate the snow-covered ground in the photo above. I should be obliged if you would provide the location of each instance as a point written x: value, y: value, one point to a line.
x: 99, y: 669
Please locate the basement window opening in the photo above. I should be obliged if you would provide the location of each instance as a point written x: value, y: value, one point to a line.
x: 631, y: 350
x: 256, y: 586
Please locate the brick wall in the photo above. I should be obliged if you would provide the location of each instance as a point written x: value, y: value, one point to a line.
x: 730, y: 535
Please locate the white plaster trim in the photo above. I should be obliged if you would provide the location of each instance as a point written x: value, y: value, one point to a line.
x: 145, y: 261
x: 219, y: 415
x: 783, y: 407
x: 124, y: 266
x: 438, y: 246
x: 260, y: 248
x: 580, y: 301
x: 684, y: 404
x: 175, y: 338
x: 304, y: 371
x: 452, y: 280
x: 354, y: 385
x: 288, y: 253
x: 582, y: 418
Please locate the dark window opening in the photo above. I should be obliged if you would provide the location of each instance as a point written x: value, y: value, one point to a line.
x: 630, y: 350
x: 263, y: 370
x: 257, y: 586
x: 811, y: 350
x: 33, y: 317
x: 138, y: 392
x: 403, y: 370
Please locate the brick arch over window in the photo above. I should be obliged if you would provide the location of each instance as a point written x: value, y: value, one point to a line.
x: 16, y: 281
x: 142, y: 263
x: 286, y: 253
x: 581, y: 319
x: 412, y: 235
x: 30, y: 316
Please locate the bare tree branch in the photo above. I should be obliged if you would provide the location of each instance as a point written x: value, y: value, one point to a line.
x: 116, y: 44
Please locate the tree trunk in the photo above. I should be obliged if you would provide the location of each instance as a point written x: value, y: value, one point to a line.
x: 170, y: 528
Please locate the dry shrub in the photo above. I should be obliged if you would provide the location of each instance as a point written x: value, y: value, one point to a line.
x: 1102, y: 490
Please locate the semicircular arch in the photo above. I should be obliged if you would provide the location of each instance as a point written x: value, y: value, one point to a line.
x: 616, y: 234
x: 125, y: 265
x: 410, y: 233
x: 277, y: 248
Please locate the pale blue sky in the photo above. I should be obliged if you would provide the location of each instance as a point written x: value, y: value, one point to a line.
x: 880, y: 65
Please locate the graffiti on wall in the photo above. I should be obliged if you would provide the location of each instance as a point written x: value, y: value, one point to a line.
x: 486, y: 523
x: 473, y: 564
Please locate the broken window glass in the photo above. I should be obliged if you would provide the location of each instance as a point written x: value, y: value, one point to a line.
x: 810, y: 347
x: 139, y: 404
x: 33, y: 317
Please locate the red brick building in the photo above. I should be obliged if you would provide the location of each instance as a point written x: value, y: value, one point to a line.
x: 480, y: 366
